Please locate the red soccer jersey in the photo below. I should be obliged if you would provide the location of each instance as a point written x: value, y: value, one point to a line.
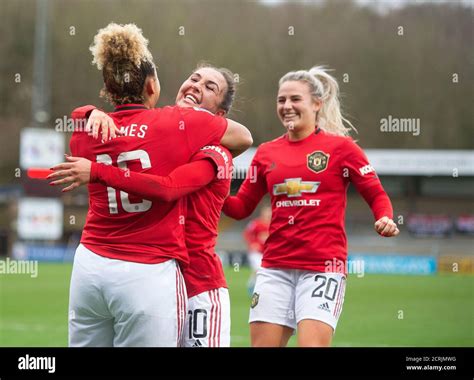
x: 156, y: 141
x: 255, y: 235
x: 307, y: 181
x: 205, y: 271
x: 206, y: 191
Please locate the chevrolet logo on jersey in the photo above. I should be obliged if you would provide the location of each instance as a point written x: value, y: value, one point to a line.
x: 318, y: 161
x: 294, y: 187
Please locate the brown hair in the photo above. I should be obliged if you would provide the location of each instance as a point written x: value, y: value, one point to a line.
x: 121, y: 52
x: 228, y: 75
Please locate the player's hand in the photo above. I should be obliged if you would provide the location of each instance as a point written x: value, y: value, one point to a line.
x: 101, y: 122
x: 75, y: 172
x: 386, y: 227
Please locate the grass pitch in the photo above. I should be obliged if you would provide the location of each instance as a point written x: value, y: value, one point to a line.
x: 379, y: 310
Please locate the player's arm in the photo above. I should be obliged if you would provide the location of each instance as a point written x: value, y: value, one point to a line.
x: 83, y: 112
x: 249, y: 195
x: 237, y: 138
x: 367, y: 183
x: 243, y: 203
x: 182, y: 181
x: 204, y: 128
x: 97, y: 122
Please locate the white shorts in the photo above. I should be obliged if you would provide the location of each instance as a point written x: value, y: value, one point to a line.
x: 287, y: 296
x: 125, y: 304
x: 208, y: 322
x: 255, y: 260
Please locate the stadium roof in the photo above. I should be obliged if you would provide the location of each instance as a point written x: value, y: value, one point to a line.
x: 403, y: 162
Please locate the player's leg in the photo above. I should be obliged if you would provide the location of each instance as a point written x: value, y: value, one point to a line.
x: 90, y: 323
x: 319, y: 300
x: 312, y: 333
x: 263, y: 334
x: 208, y: 320
x: 148, y: 302
x: 272, y: 312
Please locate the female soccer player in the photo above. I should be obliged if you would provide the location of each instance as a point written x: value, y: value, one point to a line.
x: 307, y: 172
x: 208, y: 322
x: 126, y: 285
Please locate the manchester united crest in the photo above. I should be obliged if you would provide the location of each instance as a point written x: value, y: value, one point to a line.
x: 254, y: 300
x: 318, y: 161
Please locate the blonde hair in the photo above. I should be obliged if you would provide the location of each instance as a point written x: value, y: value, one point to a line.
x: 121, y: 52
x: 323, y: 87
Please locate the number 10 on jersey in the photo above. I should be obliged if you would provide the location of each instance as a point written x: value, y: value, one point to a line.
x: 122, y: 159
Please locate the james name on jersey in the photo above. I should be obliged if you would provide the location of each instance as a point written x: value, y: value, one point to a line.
x: 133, y: 130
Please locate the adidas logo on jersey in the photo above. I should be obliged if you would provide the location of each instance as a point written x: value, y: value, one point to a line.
x: 324, y: 306
x: 197, y: 343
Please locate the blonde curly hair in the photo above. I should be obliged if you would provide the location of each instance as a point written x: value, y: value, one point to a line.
x: 121, y: 52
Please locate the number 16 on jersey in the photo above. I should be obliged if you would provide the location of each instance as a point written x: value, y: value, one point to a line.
x: 122, y: 159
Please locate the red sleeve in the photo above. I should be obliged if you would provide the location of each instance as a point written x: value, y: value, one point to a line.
x: 77, y: 114
x: 73, y: 145
x: 250, y: 193
x: 220, y: 156
x: 182, y: 181
x: 366, y: 181
x: 77, y: 145
x: 378, y: 200
x: 82, y: 112
x: 202, y: 127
